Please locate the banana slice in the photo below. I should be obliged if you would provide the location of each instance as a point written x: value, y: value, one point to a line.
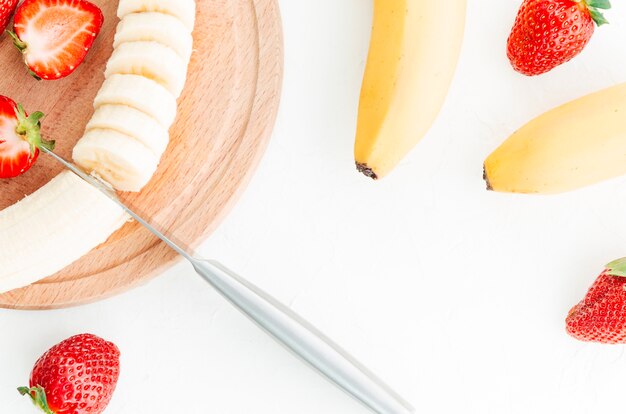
x: 184, y: 10
x: 131, y: 122
x: 120, y: 160
x: 155, y: 27
x: 140, y: 93
x: 61, y: 222
x: 151, y: 60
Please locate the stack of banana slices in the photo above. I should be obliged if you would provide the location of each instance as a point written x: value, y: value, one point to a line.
x: 136, y: 105
x: 123, y: 144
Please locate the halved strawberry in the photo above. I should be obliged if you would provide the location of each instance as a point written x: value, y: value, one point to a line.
x: 55, y: 35
x: 20, y: 138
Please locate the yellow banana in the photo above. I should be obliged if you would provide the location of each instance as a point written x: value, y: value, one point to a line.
x: 572, y: 146
x: 413, y: 54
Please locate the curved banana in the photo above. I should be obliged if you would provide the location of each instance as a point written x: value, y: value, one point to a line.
x: 61, y: 222
x: 572, y: 146
x: 413, y: 54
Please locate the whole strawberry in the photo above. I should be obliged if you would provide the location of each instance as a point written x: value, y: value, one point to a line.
x: 76, y: 376
x: 601, y: 315
x: 7, y: 7
x: 548, y: 33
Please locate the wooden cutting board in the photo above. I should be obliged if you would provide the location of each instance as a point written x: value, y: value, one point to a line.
x: 225, y: 117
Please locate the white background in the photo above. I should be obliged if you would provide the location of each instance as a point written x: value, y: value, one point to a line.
x: 455, y: 296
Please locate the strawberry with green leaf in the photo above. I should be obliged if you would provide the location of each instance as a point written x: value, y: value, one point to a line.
x: 77, y: 376
x: 20, y: 138
x: 601, y: 315
x: 548, y: 33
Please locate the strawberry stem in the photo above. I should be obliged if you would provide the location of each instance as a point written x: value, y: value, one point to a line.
x: 21, y: 46
x: 38, y: 395
x: 29, y: 128
x: 595, y: 8
x: 617, y: 267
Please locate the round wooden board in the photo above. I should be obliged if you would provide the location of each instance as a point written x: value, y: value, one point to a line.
x: 225, y: 117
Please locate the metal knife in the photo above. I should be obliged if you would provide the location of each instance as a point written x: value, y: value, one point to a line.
x: 277, y: 320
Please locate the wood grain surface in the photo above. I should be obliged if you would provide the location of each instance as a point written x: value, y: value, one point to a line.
x: 225, y: 117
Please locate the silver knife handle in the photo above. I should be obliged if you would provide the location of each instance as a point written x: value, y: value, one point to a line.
x: 303, y: 339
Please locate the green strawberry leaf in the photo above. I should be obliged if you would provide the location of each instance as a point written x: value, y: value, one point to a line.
x: 29, y: 127
x: 599, y: 4
x: 595, y: 7
x: 598, y: 17
x: 617, y: 267
x: 38, y: 396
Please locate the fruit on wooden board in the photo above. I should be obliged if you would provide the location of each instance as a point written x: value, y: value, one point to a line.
x: 62, y: 221
x: 575, y: 145
x: 123, y: 143
x: 151, y: 60
x: 183, y: 10
x: 76, y: 376
x: 136, y: 105
x: 133, y: 122
x: 118, y: 158
x: 54, y: 36
x: 155, y: 27
x: 20, y: 138
x: 548, y: 33
x: 413, y: 55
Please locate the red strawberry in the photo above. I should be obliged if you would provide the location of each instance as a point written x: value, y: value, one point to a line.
x: 548, y: 33
x: 20, y: 138
x: 601, y: 316
x: 76, y: 376
x: 55, y: 35
x: 7, y: 7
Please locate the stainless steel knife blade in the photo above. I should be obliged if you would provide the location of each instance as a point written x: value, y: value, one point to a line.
x: 276, y: 319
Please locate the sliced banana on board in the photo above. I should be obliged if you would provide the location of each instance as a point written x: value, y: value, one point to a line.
x: 131, y: 122
x: 67, y: 218
x: 151, y: 60
x: 62, y: 221
x: 118, y: 158
x: 184, y: 10
x: 155, y: 27
x: 140, y: 93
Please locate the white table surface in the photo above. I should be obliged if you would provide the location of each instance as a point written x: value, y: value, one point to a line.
x: 455, y: 296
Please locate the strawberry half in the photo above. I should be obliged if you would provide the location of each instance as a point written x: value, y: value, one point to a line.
x: 548, y: 33
x: 76, y: 376
x: 20, y: 138
x: 601, y: 315
x: 55, y: 35
x: 7, y: 7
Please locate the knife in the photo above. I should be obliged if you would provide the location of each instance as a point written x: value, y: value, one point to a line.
x: 276, y: 319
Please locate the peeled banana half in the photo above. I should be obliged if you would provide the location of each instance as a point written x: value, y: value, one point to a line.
x: 62, y: 221
x: 123, y: 144
x: 413, y: 54
x: 580, y: 143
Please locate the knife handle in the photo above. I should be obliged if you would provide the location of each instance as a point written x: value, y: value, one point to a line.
x: 303, y: 339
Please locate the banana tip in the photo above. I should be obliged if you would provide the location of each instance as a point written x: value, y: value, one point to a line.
x: 486, y: 178
x: 367, y: 171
